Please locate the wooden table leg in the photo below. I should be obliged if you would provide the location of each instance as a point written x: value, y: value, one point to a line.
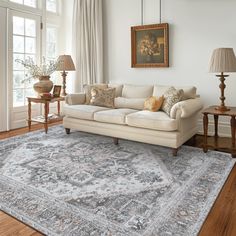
x: 233, y: 128
x: 216, y: 118
x: 46, y: 110
x: 58, y: 108
x: 205, y: 127
x: 216, y: 125
x: 29, y: 114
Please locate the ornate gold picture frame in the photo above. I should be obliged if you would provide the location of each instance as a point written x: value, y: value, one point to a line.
x: 150, y: 45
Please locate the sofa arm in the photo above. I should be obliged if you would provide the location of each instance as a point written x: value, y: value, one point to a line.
x: 186, y: 108
x: 75, y: 98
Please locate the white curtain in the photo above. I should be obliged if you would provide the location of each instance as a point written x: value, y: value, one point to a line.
x: 87, y: 43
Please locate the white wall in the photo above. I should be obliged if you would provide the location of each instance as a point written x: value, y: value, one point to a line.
x: 3, y: 59
x: 196, y: 28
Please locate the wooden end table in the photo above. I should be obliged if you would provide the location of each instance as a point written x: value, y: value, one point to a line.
x: 46, y: 118
x: 216, y: 113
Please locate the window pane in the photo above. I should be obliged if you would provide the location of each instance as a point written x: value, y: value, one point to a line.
x: 51, y: 50
x: 17, y: 65
x: 18, y: 77
x: 17, y: 1
x: 51, y: 5
x: 29, y: 45
x: 29, y: 93
x: 31, y: 3
x: 51, y: 39
x: 30, y: 29
x: 51, y: 34
x: 55, y: 78
x: 18, y: 97
x: 27, y: 56
x: 18, y: 25
x: 18, y: 44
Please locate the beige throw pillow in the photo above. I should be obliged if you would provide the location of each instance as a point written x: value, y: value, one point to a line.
x: 171, y: 97
x: 103, y: 97
x: 153, y: 103
x: 88, y: 88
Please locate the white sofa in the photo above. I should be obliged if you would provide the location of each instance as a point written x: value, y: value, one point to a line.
x: 129, y: 121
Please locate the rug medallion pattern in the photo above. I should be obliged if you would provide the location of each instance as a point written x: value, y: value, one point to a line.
x: 82, y: 184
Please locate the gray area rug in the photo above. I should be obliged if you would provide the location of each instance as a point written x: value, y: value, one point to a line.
x: 82, y: 184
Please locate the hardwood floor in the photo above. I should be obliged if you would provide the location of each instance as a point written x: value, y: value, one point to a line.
x: 12, y: 227
x: 221, y: 220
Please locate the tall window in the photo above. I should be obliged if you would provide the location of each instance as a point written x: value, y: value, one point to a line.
x: 51, y: 5
x: 30, y: 3
x: 51, y: 42
x: 24, y: 46
x: 51, y: 47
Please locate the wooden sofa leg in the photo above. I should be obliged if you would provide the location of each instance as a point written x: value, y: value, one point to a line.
x: 116, y: 141
x: 174, y: 151
x: 67, y: 130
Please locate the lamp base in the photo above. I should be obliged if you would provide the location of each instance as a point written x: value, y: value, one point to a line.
x: 63, y: 74
x: 222, y: 108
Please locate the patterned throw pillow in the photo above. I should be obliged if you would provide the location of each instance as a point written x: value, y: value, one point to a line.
x: 171, y: 96
x: 88, y: 88
x: 153, y: 103
x: 103, y: 97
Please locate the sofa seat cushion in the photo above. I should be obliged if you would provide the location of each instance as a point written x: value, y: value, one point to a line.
x: 114, y: 116
x: 152, y: 120
x: 84, y: 112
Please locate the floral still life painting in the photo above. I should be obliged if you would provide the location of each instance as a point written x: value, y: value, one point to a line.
x: 150, y: 45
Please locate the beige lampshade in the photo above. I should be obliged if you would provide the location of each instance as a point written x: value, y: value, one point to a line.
x: 66, y: 63
x: 223, y: 60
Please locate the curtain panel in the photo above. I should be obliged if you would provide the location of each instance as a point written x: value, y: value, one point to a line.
x: 87, y: 43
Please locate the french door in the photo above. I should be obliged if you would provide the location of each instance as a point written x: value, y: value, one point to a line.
x: 3, y: 70
x: 24, y: 42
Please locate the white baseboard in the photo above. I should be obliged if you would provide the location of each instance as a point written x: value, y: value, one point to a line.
x: 224, y: 129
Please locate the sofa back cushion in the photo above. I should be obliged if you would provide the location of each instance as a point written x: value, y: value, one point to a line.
x: 118, y: 88
x: 189, y: 91
x: 131, y: 103
x: 137, y: 91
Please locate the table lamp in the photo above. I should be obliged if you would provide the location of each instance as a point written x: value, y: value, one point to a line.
x: 222, y: 60
x: 65, y: 64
